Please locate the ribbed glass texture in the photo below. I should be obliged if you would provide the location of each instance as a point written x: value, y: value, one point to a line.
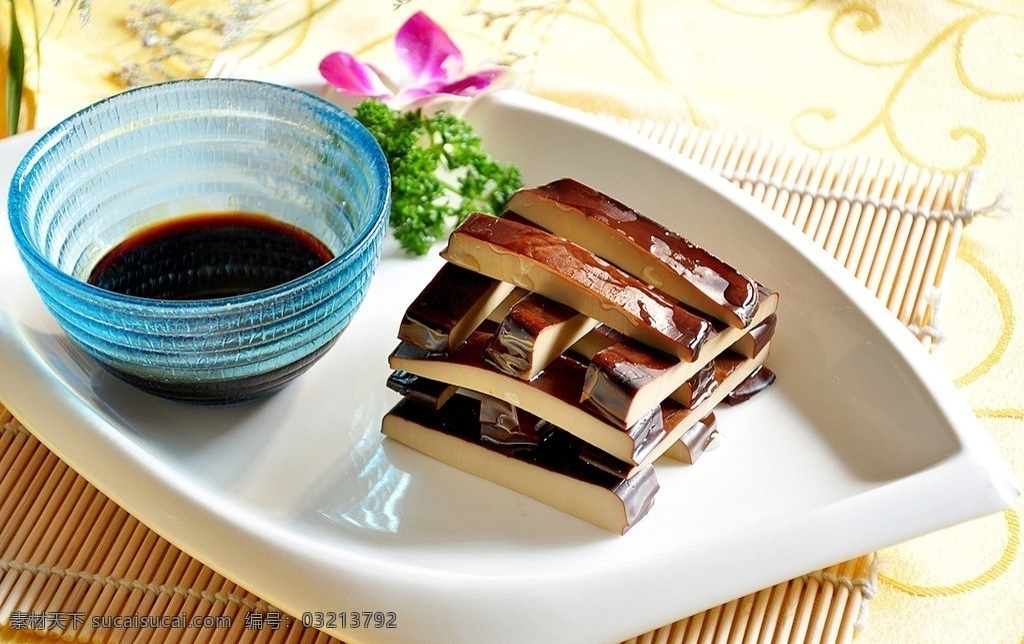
x: 195, y: 146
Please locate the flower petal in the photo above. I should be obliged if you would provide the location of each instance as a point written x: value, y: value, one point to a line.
x: 352, y: 77
x: 427, y: 51
x: 471, y: 83
x: 439, y: 94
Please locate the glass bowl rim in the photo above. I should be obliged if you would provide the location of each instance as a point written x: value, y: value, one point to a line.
x: 351, y: 129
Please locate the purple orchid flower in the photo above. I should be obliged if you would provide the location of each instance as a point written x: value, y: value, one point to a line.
x: 433, y: 68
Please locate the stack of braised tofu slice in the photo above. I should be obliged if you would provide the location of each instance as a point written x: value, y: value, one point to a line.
x: 568, y: 344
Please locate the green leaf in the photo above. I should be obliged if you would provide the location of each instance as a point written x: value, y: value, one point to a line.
x: 15, y: 73
x: 440, y: 172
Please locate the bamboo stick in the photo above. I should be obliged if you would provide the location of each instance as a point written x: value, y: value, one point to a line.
x: 841, y: 246
x: 890, y: 287
x: 742, y: 619
x: 866, y: 250
x: 758, y: 615
x: 828, y: 236
x: 825, y: 207
x: 694, y: 627
x: 916, y: 256
x: 870, y: 215
x: 879, y: 277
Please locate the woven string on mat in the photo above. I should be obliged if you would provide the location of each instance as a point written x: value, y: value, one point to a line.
x: 68, y: 552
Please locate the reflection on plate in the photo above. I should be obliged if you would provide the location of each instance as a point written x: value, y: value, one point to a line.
x: 860, y: 443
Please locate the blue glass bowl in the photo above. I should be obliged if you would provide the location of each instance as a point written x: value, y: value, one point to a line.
x: 165, y: 151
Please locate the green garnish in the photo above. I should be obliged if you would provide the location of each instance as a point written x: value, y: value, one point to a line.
x: 440, y: 172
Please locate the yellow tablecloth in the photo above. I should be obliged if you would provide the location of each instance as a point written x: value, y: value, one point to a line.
x: 938, y: 84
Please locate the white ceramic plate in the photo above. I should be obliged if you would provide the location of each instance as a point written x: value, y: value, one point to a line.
x: 860, y: 444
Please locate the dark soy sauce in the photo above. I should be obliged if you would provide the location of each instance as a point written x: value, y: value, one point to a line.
x: 206, y: 256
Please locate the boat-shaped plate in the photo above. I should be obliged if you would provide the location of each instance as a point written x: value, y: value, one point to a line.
x: 860, y: 444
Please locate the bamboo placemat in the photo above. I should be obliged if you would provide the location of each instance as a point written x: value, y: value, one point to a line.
x: 68, y: 554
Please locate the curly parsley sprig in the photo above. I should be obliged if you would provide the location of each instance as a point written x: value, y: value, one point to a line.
x: 440, y: 172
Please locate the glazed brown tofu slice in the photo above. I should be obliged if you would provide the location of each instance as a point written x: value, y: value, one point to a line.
x: 755, y: 383
x: 641, y: 247
x: 427, y: 392
x: 697, y: 388
x: 626, y: 378
x: 757, y: 339
x: 553, y: 395
x: 500, y: 422
x: 450, y: 307
x: 730, y: 371
x: 535, y: 331
x: 551, y: 471
x: 694, y: 441
x: 570, y: 274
